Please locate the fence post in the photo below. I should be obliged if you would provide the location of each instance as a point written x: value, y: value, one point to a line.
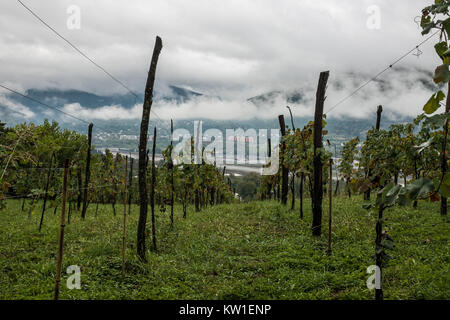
x: 317, y: 187
x: 172, y: 189
x: 46, y: 190
x: 152, y: 192
x: 330, y: 206
x: 284, y: 170
x: 124, y: 234
x: 143, y: 197
x: 88, y: 171
x: 444, y: 152
x: 61, y: 231
x: 130, y: 185
x: 377, y: 127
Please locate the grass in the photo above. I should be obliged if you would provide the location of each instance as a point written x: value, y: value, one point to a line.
x: 258, y: 250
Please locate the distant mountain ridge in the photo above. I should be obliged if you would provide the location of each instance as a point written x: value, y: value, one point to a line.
x: 15, y: 108
x: 92, y: 100
x: 292, y: 96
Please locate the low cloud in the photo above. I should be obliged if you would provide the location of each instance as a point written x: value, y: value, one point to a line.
x: 115, y: 112
x: 14, y: 109
x: 402, y: 92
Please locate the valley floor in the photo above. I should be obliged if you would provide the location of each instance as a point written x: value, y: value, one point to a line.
x: 258, y: 250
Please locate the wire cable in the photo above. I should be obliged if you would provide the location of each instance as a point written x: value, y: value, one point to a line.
x: 381, y: 72
x: 84, y: 54
x: 42, y: 103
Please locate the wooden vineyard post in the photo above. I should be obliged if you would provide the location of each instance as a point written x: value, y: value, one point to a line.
x: 46, y: 190
x: 152, y: 192
x: 293, y: 191
x: 379, y: 111
x: 378, y: 254
x: 330, y: 206
x: 213, y: 189
x: 80, y: 186
x: 269, y: 155
x: 87, y: 173
x: 292, y: 118
x: 317, y: 186
x: 293, y: 174
x: 196, y: 168
x: 130, y: 184
x: 172, y: 187
x: 444, y: 152
x: 377, y: 127
x: 302, y: 181
x: 284, y: 170
x: 143, y: 197
x: 337, y: 175
x: 61, y: 232
x: 124, y: 234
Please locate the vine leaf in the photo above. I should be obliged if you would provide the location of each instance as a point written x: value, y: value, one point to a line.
x: 442, y: 74
x: 420, y: 188
x: 433, y: 104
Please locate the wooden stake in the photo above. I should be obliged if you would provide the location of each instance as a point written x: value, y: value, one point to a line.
x: 292, y: 118
x: 80, y: 186
x: 46, y: 190
x: 88, y: 172
x: 143, y: 197
x: 130, y: 185
x: 377, y: 127
x: 124, y: 234
x: 302, y: 180
x: 152, y: 192
x: 379, y: 258
x: 172, y: 188
x: 61, y: 232
x: 284, y: 170
x: 330, y: 208
x: 337, y: 174
x: 444, y: 152
x: 317, y: 187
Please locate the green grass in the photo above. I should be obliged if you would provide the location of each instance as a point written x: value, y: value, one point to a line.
x: 258, y: 250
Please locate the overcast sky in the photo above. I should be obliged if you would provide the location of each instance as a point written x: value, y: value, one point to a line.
x: 234, y: 49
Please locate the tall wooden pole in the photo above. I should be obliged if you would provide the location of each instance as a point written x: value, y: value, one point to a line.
x: 124, y: 234
x: 377, y: 128
x: 269, y: 155
x: 80, y: 186
x: 379, y: 111
x: 172, y: 187
x: 317, y: 186
x: 152, y: 192
x: 337, y: 174
x: 88, y: 171
x: 143, y: 197
x: 444, y: 152
x: 302, y: 181
x: 130, y: 184
x: 330, y: 206
x: 293, y: 173
x: 46, y: 190
x: 292, y: 118
x: 378, y: 254
x: 61, y: 230
x: 284, y: 169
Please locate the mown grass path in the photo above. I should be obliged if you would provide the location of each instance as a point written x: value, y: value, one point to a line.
x: 257, y: 250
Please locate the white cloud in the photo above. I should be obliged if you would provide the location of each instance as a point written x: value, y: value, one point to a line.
x: 104, y: 113
x: 404, y: 94
x: 233, y: 49
x: 15, y: 109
